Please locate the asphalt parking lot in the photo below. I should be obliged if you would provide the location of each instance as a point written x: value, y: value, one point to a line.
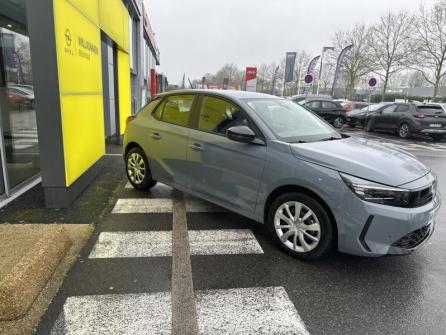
x: 135, y: 275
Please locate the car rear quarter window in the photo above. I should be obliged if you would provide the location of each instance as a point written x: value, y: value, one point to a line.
x: 429, y: 109
x: 403, y: 108
x: 328, y: 105
x: 175, y: 109
x: 217, y: 115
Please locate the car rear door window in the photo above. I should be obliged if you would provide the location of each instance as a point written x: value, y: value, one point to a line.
x: 176, y: 109
x: 403, y: 108
x: 217, y: 116
x: 389, y: 109
x: 328, y: 105
x: 313, y: 104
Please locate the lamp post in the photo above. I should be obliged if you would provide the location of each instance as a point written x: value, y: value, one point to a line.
x: 320, y: 68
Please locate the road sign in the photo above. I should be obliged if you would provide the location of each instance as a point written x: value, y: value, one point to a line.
x: 372, y: 82
x: 308, y: 79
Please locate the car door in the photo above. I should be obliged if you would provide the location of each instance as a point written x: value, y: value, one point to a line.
x: 221, y: 170
x: 167, y: 139
x: 382, y: 117
x: 393, y: 119
x: 329, y: 110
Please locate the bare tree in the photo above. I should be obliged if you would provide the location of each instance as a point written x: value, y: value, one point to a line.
x: 389, y: 42
x: 358, y: 63
x: 429, y: 44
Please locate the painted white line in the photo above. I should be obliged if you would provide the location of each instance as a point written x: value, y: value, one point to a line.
x: 126, y: 206
x: 132, y: 244
x: 256, y: 310
x: 147, y: 313
x: 223, y: 242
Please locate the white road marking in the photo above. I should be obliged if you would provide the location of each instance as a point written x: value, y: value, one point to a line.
x: 133, y: 244
x: 159, y: 243
x: 147, y: 313
x: 223, y: 242
x: 161, y: 205
x: 256, y: 310
x: 128, y: 206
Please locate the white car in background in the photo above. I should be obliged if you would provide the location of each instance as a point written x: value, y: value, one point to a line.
x: 442, y: 104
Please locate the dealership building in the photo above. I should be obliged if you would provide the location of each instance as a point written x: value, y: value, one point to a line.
x: 71, y: 72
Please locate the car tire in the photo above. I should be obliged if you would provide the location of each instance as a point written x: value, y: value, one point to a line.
x: 404, y: 131
x: 299, y: 241
x: 338, y: 122
x: 138, y: 170
x: 352, y: 125
x: 369, y: 125
x: 437, y: 137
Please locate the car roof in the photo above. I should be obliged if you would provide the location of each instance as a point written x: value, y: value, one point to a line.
x: 233, y: 94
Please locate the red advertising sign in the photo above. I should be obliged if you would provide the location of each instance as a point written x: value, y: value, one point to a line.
x: 251, y: 79
x: 153, y: 82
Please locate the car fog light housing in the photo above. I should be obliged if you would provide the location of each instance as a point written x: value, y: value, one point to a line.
x: 377, y: 193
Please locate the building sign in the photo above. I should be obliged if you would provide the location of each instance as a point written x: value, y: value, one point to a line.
x: 251, y: 79
x: 78, y: 43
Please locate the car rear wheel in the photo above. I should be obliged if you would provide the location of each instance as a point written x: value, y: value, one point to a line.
x: 301, y: 226
x: 338, y: 122
x: 369, y: 125
x: 404, y: 131
x: 138, y: 171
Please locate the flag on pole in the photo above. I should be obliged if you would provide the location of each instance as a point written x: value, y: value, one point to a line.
x: 339, y: 64
x: 289, y: 67
x: 312, y: 64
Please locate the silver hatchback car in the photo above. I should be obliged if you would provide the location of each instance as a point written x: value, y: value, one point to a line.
x: 277, y: 163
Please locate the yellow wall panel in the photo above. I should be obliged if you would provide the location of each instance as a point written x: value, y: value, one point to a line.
x: 83, y: 133
x: 78, y: 43
x: 126, y: 33
x: 124, y: 89
x: 112, y: 15
x: 89, y: 8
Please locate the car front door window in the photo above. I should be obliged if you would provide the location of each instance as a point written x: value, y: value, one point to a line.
x: 176, y: 109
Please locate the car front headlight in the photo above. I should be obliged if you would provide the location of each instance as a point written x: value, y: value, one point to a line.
x: 377, y: 193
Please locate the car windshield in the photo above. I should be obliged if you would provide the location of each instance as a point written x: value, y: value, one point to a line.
x: 291, y: 122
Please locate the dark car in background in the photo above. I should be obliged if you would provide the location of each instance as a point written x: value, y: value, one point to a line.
x: 352, y: 105
x: 357, y: 117
x: 309, y: 97
x: 331, y: 111
x: 407, y: 119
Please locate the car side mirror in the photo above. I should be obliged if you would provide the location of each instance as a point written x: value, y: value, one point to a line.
x: 241, y: 134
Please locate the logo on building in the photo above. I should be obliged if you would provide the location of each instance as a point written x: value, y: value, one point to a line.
x: 68, y: 37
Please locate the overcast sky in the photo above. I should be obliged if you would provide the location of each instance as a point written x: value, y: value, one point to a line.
x: 199, y: 36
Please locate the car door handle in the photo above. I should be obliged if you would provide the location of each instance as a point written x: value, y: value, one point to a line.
x: 196, y: 147
x: 156, y: 136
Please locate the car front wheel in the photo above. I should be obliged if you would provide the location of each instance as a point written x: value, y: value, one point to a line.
x: 301, y: 226
x: 138, y: 171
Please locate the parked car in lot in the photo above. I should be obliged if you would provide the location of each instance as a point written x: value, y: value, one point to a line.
x: 309, y: 97
x: 407, y: 119
x: 357, y: 117
x: 330, y: 111
x: 273, y: 161
x: 351, y: 105
x: 442, y: 105
x: 20, y: 95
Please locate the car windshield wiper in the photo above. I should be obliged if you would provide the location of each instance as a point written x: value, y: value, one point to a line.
x: 332, y: 138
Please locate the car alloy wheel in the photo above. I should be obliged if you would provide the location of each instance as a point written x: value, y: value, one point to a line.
x: 136, y: 168
x: 297, y: 226
x: 338, y: 122
x: 403, y: 131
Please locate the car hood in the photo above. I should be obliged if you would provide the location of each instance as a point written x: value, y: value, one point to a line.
x: 363, y: 158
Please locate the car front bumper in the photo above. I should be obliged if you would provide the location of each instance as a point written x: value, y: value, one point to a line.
x: 369, y: 229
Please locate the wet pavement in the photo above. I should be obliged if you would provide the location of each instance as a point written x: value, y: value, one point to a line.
x: 124, y: 281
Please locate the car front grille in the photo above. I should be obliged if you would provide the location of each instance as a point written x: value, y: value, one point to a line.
x: 413, y: 239
x: 421, y: 197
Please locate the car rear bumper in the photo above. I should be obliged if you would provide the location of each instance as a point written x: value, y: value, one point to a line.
x: 433, y: 131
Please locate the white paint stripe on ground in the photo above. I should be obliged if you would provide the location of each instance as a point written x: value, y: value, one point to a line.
x: 223, y: 242
x: 159, y: 243
x: 147, y: 313
x: 161, y: 205
x: 127, y: 206
x: 132, y: 244
x: 256, y: 310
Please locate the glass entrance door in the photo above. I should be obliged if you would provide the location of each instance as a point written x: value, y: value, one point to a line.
x: 19, y: 142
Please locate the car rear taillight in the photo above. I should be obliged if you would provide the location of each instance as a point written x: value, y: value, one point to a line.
x: 130, y: 118
x: 418, y: 116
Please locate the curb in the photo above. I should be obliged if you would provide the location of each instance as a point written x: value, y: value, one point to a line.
x: 24, y: 282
